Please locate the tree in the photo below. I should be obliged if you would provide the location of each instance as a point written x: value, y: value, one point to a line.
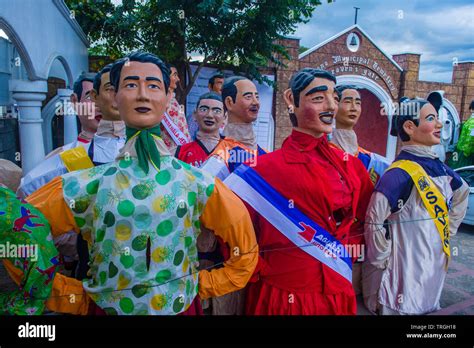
x: 241, y: 35
x: 302, y: 49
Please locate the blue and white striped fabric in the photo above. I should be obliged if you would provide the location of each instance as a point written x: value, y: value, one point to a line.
x: 290, y: 221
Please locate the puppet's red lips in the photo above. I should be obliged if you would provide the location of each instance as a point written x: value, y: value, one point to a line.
x: 352, y: 117
x: 209, y: 123
x: 142, y: 110
x: 253, y: 109
x: 437, y: 134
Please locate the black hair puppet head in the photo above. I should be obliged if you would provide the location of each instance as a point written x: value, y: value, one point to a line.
x: 409, y: 110
x: 98, y: 77
x: 230, y: 89
x: 141, y: 57
x: 77, y: 88
x: 209, y: 95
x: 213, y: 78
x: 300, y: 80
x: 342, y: 88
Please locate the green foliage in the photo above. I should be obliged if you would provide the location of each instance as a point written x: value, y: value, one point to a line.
x: 302, y: 49
x: 240, y: 34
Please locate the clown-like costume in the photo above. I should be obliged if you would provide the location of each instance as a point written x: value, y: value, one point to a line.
x: 407, y: 242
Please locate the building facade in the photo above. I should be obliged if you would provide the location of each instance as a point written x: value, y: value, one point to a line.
x: 42, y: 50
x: 356, y: 59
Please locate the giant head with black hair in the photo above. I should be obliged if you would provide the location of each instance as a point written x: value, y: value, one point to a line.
x: 78, y: 87
x: 215, y: 82
x: 209, y: 95
x: 350, y: 107
x: 312, y: 100
x: 241, y: 100
x: 103, y: 94
x: 174, y: 77
x: 98, y: 77
x: 88, y: 115
x: 209, y: 113
x: 141, y: 81
x: 416, y: 120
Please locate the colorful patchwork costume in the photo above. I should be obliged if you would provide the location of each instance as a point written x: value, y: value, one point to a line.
x: 25, y: 232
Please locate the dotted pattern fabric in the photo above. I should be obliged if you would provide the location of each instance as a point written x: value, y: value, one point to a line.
x: 142, y: 232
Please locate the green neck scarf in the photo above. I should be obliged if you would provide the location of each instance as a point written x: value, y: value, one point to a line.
x: 145, y: 146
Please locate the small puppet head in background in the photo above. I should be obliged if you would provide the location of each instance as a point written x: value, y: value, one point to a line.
x: 103, y: 94
x: 89, y: 116
x: 241, y: 100
x: 216, y: 82
x: 209, y: 113
x: 350, y: 107
x: 141, y: 81
x: 312, y: 100
x: 417, y: 121
x: 174, y: 78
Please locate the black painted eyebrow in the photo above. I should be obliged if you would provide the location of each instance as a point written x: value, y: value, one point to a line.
x: 351, y: 98
x: 131, y: 78
x: 216, y: 108
x: 247, y: 93
x: 152, y: 78
x: 317, y: 89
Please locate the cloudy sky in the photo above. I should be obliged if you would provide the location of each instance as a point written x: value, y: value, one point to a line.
x: 440, y: 30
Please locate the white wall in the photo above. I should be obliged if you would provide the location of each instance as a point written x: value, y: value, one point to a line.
x: 46, y: 34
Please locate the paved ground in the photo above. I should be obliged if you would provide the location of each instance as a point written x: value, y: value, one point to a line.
x: 457, y: 297
x: 458, y: 293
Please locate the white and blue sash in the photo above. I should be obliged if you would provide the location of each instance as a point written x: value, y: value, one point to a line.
x: 290, y: 221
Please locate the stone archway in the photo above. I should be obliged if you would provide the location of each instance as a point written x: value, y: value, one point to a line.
x: 15, y: 39
x: 384, y: 98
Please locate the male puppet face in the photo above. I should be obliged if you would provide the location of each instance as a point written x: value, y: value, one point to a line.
x: 217, y: 86
x: 210, y: 116
x: 174, y: 78
x: 247, y: 103
x: 141, y: 97
x: 105, y: 99
x: 317, y: 106
x: 349, y: 109
x: 428, y: 132
x: 89, y: 121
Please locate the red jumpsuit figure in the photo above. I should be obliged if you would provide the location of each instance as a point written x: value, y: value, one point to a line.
x: 331, y: 189
x: 210, y: 117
